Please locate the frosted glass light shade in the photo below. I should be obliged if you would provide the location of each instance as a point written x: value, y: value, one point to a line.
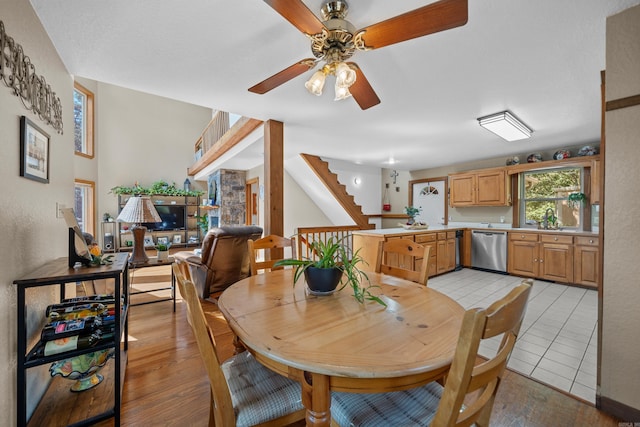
x: 345, y: 76
x: 506, y: 126
x: 315, y: 84
x: 341, y: 93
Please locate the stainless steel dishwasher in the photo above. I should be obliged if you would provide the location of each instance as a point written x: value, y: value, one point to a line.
x: 489, y: 250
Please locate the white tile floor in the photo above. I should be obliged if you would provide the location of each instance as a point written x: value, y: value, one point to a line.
x: 558, y: 340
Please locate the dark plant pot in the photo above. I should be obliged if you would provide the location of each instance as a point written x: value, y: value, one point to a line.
x: 322, y: 281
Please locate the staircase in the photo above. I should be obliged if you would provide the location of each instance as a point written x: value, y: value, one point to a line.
x: 339, y: 191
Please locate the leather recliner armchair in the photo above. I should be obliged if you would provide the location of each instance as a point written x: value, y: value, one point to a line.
x: 223, y: 261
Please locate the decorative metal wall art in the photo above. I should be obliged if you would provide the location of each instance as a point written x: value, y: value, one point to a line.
x: 19, y: 74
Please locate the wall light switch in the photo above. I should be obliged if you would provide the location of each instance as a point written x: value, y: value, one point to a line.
x: 59, y: 207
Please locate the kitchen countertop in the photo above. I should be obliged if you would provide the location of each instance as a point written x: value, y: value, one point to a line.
x: 470, y: 226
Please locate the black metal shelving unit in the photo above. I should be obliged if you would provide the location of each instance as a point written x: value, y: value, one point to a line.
x: 58, y: 273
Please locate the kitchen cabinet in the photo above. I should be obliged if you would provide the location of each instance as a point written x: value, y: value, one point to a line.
x: 442, y: 256
x: 522, y: 258
x: 446, y: 252
x: 429, y: 240
x: 482, y: 188
x: 556, y: 258
x: 586, y: 261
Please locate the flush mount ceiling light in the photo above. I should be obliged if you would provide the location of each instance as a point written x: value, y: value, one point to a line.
x: 506, y: 126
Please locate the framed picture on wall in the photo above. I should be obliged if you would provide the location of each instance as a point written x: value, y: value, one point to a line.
x: 177, y: 238
x: 34, y: 151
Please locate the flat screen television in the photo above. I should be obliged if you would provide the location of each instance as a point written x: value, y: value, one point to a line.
x: 172, y: 218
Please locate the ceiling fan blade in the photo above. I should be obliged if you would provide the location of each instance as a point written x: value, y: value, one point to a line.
x: 296, y: 12
x: 361, y: 90
x: 283, y: 76
x: 439, y: 16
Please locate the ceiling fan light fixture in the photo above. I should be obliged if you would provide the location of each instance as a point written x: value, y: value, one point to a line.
x: 345, y: 75
x: 342, y: 92
x: 316, y: 83
x: 506, y: 126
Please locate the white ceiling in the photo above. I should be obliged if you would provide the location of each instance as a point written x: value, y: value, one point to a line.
x: 540, y: 59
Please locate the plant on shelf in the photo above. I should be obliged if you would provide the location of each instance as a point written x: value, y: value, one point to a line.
x: 163, y: 250
x: 575, y: 199
x: 333, y: 260
x: 161, y: 247
x: 158, y: 188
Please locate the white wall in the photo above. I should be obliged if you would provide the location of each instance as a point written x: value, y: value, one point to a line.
x: 31, y: 233
x: 299, y: 209
x: 620, y: 366
x: 142, y: 138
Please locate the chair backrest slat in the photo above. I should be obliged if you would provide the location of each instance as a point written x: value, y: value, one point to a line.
x: 398, y: 257
x: 266, y: 247
x: 466, y: 376
x: 223, y: 407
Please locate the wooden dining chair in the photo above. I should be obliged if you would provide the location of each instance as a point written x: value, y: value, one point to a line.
x: 397, y: 257
x: 437, y: 406
x: 243, y: 392
x: 261, y: 249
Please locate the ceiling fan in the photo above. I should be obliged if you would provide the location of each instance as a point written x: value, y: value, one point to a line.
x: 334, y: 40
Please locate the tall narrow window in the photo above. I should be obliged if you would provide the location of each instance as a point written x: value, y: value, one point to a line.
x: 544, y: 194
x: 83, y: 120
x: 84, y: 205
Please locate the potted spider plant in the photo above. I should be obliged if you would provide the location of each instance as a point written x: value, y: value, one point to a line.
x: 332, y: 267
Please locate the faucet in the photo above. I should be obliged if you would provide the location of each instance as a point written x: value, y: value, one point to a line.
x: 546, y: 218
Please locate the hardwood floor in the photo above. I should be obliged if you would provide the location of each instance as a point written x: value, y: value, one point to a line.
x: 166, y: 383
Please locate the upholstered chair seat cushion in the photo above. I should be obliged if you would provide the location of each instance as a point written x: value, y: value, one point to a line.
x: 259, y: 394
x: 414, y: 407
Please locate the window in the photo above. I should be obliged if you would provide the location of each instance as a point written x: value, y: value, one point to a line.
x: 83, y: 120
x: 84, y: 205
x: 542, y: 190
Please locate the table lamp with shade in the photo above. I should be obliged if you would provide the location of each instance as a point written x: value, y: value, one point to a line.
x: 139, y: 210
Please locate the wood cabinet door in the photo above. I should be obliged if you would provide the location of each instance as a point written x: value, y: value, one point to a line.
x: 523, y: 258
x: 433, y: 259
x: 451, y: 254
x: 462, y: 188
x: 556, y: 262
x: 491, y: 188
x: 586, y: 265
x: 442, y: 258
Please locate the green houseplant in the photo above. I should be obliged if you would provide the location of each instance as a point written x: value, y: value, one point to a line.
x: 203, y: 223
x: 333, y: 260
x: 575, y: 199
x: 163, y: 251
x: 412, y: 211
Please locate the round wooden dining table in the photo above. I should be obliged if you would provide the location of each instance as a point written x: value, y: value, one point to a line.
x: 335, y: 343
